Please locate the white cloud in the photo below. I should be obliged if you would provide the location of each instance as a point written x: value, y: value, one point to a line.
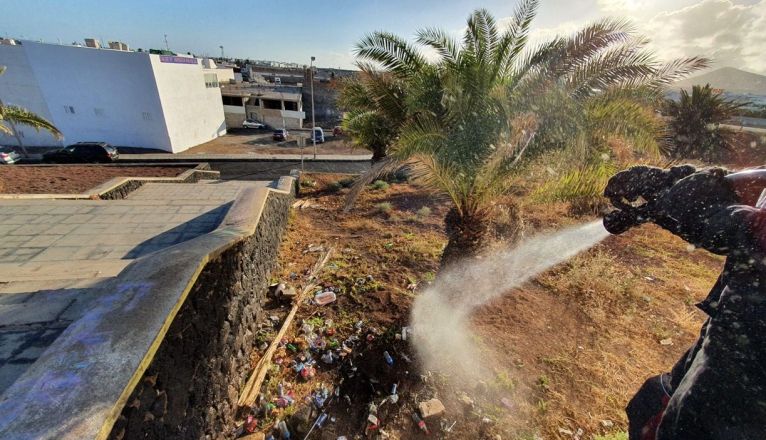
x: 732, y: 35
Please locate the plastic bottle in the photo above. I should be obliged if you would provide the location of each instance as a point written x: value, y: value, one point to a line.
x: 420, y: 422
x: 322, y: 418
x: 393, y: 398
x: 282, y: 426
x: 388, y: 358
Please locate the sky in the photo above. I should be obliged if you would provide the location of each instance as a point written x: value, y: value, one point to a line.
x: 732, y: 32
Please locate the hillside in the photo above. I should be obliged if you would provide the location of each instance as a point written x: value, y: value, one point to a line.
x: 730, y: 80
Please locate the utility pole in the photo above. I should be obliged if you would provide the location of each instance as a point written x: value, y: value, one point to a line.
x: 167, y: 47
x: 313, y: 119
x: 221, y: 52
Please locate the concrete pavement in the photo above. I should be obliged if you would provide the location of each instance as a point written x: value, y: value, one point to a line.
x: 55, y: 254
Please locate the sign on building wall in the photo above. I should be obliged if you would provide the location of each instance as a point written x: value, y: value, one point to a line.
x: 177, y: 60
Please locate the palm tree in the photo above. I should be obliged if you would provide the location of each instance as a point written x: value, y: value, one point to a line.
x: 14, y: 115
x: 375, y: 110
x: 488, y: 104
x: 695, y: 124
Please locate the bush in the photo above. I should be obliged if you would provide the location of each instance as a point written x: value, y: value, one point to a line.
x: 380, y: 185
x: 334, y: 186
x: 308, y: 183
x: 582, y: 188
x: 346, y: 182
x: 424, y: 212
x: 384, y: 207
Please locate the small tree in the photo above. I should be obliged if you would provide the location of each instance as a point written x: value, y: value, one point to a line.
x: 375, y: 110
x: 486, y: 104
x: 695, y: 124
x: 13, y: 116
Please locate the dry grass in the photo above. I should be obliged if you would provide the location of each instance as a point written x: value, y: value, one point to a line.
x: 569, y: 349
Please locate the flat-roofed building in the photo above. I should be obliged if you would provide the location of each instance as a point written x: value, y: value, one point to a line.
x: 275, y: 106
x: 126, y: 98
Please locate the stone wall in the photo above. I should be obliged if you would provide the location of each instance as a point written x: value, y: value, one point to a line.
x: 190, y: 389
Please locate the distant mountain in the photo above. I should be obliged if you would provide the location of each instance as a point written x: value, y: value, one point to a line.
x: 730, y: 80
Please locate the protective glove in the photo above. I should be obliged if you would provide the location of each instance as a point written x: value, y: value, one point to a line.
x: 640, y: 184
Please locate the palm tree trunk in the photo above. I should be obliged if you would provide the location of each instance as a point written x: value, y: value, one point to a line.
x: 466, y: 236
x: 378, y: 153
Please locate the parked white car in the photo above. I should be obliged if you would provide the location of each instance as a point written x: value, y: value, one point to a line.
x: 8, y: 156
x: 252, y: 124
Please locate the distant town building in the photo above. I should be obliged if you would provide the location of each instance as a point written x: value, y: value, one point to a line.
x: 136, y: 99
x: 276, y: 106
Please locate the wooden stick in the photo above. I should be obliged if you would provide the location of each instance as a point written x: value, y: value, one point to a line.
x: 250, y: 391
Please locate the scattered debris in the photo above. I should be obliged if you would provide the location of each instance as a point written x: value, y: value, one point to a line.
x: 325, y: 297
x: 431, y: 408
x: 607, y: 423
x: 466, y: 400
x: 314, y: 248
x: 564, y: 431
x: 506, y: 402
x: 666, y: 341
x: 421, y: 424
x: 284, y: 291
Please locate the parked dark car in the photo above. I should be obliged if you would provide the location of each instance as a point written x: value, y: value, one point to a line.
x: 83, y: 152
x: 280, y: 134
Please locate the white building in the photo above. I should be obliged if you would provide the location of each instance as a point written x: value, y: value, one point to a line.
x: 133, y: 99
x: 225, y: 74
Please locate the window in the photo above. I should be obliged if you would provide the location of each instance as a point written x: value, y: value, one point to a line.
x: 147, y: 116
x: 272, y: 104
x: 232, y: 100
x: 291, y: 105
x: 211, y: 80
x: 69, y: 109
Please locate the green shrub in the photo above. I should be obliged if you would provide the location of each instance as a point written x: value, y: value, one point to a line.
x: 424, y: 212
x: 334, y: 186
x: 346, y: 182
x: 380, y: 185
x: 308, y: 183
x: 384, y: 207
x: 582, y: 188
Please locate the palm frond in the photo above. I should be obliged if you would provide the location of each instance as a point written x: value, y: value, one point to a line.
x: 513, y: 41
x: 21, y: 116
x: 441, y: 42
x: 391, y: 51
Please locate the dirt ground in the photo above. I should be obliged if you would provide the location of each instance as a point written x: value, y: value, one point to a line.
x: 15, y: 179
x: 568, y: 349
x: 244, y: 141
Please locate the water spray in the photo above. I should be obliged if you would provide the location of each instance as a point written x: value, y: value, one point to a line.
x: 441, y: 314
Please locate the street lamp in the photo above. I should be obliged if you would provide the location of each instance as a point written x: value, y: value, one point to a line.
x: 313, y: 119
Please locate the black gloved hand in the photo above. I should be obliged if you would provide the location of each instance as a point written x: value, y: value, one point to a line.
x: 639, y: 183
